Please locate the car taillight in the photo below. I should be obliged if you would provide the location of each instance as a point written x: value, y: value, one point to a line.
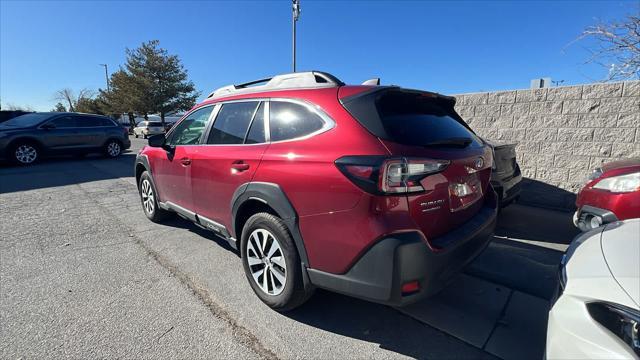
x: 381, y: 175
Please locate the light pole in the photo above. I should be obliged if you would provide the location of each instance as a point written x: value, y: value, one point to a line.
x: 296, y: 14
x: 106, y: 75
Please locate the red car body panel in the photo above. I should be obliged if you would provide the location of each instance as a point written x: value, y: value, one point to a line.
x: 623, y: 205
x: 216, y: 173
x: 171, y: 175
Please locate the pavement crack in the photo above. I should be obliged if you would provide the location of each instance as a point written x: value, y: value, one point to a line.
x: 164, y: 333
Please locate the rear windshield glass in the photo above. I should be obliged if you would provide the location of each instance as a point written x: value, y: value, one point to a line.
x: 26, y: 120
x: 412, y: 118
x: 155, y: 124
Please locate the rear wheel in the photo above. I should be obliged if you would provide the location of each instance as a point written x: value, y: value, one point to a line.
x: 24, y: 153
x: 113, y: 148
x: 149, y: 199
x: 271, y: 263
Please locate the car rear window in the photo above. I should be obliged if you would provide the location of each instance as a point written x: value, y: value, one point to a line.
x: 409, y: 117
x: 155, y: 124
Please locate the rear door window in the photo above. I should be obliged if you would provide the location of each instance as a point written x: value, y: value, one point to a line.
x: 232, y: 123
x: 256, y: 131
x: 64, y: 122
x: 290, y: 120
x: 93, y: 121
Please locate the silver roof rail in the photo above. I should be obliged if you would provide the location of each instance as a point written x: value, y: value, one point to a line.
x: 297, y: 80
x: 374, y: 81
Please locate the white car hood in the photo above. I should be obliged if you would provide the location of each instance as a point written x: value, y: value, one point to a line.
x: 621, y: 250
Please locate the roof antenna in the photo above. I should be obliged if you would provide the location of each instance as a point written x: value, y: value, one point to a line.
x: 374, y: 81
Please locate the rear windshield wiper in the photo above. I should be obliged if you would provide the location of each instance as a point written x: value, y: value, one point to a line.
x: 459, y: 142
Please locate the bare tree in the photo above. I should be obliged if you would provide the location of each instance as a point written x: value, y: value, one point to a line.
x: 67, y: 95
x: 14, y: 107
x: 616, y: 46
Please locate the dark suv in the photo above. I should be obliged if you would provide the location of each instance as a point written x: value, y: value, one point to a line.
x: 27, y: 138
x: 378, y: 192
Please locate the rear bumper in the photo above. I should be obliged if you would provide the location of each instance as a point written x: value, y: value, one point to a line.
x: 395, y: 260
x: 508, y: 190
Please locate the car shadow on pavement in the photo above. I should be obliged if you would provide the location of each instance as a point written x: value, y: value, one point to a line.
x: 383, y: 325
x: 536, y: 224
x: 180, y: 223
x: 62, y: 171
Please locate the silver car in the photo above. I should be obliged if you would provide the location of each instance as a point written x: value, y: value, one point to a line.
x: 145, y: 129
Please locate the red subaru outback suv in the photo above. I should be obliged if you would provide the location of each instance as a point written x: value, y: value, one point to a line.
x: 378, y: 192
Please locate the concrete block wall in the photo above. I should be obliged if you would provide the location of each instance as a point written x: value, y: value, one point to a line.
x: 562, y: 132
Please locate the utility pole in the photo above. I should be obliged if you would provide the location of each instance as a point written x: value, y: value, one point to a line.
x: 106, y: 75
x: 296, y: 14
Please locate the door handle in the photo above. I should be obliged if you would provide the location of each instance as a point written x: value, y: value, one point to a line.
x: 239, y: 166
x: 185, y: 161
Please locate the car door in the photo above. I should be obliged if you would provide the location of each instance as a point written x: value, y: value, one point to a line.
x: 61, y: 133
x: 233, y: 150
x: 172, y: 166
x: 92, y: 130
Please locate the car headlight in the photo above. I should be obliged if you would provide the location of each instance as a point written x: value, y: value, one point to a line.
x: 624, y: 322
x: 620, y: 184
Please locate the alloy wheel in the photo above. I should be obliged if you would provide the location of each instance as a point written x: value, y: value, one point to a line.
x: 113, y: 149
x: 26, y: 154
x: 266, y: 262
x: 148, y: 199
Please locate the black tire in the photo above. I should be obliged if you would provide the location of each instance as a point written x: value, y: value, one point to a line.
x: 113, y: 148
x: 144, y: 136
x: 24, y: 153
x: 293, y: 293
x: 136, y: 135
x: 152, y: 211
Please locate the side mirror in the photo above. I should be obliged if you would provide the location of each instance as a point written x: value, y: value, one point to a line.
x: 157, y: 140
x: 48, y: 126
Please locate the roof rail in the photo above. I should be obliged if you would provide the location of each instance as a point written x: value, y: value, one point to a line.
x: 297, y: 80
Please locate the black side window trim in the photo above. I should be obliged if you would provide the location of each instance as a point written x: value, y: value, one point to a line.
x: 329, y: 123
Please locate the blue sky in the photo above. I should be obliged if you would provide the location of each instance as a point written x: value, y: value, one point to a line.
x: 449, y: 47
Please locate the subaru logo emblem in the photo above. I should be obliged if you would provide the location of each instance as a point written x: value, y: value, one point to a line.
x: 479, y: 163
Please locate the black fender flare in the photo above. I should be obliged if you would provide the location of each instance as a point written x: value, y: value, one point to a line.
x: 272, y: 195
x: 143, y: 160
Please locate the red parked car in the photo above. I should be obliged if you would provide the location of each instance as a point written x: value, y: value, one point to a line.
x: 378, y: 192
x: 611, y: 194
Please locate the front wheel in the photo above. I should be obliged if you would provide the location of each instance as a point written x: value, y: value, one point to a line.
x: 24, y: 153
x: 149, y: 199
x: 272, y: 264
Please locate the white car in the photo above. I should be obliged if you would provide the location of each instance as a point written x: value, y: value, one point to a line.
x: 145, y: 129
x: 597, y: 311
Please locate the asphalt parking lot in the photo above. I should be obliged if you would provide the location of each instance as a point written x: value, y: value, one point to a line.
x: 84, y: 274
